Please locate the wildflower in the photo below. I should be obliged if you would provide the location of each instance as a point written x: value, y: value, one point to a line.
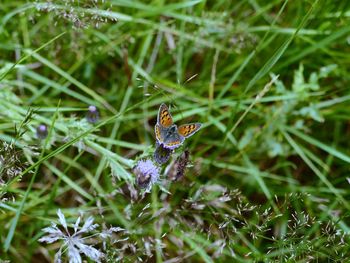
x: 41, y: 131
x: 147, y: 173
x: 92, y: 115
x: 162, y: 154
x: 74, y: 243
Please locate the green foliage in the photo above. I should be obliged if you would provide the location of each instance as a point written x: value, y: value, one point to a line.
x: 264, y: 180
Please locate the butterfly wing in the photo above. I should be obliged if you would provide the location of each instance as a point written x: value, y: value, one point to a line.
x: 173, y: 144
x: 164, y: 117
x: 165, y: 134
x: 173, y: 139
x: 158, y: 132
x: 188, y: 130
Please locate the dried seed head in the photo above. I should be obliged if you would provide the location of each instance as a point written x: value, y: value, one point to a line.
x: 178, y: 170
x: 11, y: 164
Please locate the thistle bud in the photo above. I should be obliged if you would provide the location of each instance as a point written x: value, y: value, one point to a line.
x: 161, y: 154
x: 92, y: 115
x: 41, y: 131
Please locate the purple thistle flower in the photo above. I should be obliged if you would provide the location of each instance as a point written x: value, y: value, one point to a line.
x: 42, y: 131
x: 147, y: 173
x: 92, y: 115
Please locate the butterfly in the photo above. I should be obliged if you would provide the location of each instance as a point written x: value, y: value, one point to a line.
x: 168, y: 134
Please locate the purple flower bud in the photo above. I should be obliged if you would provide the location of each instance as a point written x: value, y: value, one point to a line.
x: 147, y: 173
x: 161, y: 154
x: 41, y: 131
x: 92, y: 115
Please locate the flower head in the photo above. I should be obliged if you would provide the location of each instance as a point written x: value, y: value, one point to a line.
x: 162, y: 154
x: 93, y: 114
x: 147, y: 173
x: 41, y: 131
x: 73, y: 243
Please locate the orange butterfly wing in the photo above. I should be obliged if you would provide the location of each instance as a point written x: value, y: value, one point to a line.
x: 158, y: 134
x: 164, y: 116
x: 188, y: 130
x: 170, y: 144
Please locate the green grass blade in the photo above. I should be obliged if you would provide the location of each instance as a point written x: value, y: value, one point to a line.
x: 326, y: 148
x: 280, y: 51
x: 29, y: 54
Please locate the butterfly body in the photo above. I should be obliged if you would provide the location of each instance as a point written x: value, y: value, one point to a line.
x: 168, y: 134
